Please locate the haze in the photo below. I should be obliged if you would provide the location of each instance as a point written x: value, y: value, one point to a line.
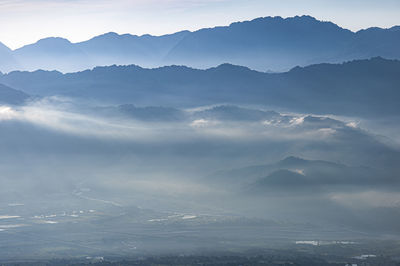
x: 272, y: 140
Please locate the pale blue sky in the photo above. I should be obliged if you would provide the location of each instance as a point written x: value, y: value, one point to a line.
x: 26, y: 21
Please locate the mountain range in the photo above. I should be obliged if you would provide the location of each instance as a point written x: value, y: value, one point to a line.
x: 293, y: 172
x: 363, y: 88
x: 264, y: 44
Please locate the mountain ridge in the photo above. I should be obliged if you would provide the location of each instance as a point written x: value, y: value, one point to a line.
x: 361, y: 87
x: 265, y: 43
x: 12, y: 96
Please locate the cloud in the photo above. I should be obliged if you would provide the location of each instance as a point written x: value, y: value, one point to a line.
x: 62, y: 115
x: 57, y: 145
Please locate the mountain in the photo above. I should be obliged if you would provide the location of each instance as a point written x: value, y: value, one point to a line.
x: 107, y: 49
x: 146, y: 50
x: 51, y: 53
x: 7, y: 60
x: 264, y: 43
x: 11, y: 96
x: 269, y: 43
x: 376, y: 42
x: 279, y: 44
x: 297, y: 174
x: 357, y: 88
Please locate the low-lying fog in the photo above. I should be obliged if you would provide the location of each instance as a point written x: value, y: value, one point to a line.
x: 65, y: 162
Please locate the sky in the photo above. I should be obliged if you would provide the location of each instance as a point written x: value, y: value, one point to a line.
x: 26, y: 21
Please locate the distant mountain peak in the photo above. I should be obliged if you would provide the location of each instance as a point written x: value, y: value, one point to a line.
x: 305, y: 17
x: 265, y: 43
x: 228, y: 66
x: 3, y: 47
x: 111, y: 36
x: 279, y: 19
x: 292, y: 160
x: 50, y: 44
x: 395, y: 28
x: 54, y: 40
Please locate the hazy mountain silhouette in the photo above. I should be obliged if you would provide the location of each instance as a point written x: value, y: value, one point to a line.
x: 270, y: 43
x: 363, y: 87
x: 293, y: 173
x: 11, y: 96
x: 51, y: 53
x: 264, y: 43
x: 107, y: 49
x: 112, y: 48
x: 279, y: 44
x: 7, y: 60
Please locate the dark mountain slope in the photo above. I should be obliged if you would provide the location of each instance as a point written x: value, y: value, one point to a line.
x: 271, y: 42
x: 363, y: 87
x: 376, y: 42
x: 11, y: 96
